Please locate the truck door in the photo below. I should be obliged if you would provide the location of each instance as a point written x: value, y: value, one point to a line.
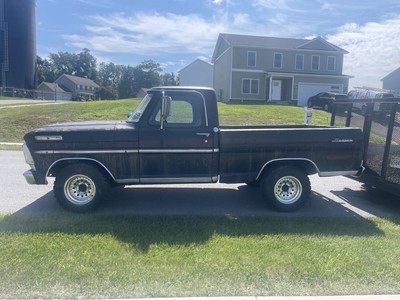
x: 179, y: 149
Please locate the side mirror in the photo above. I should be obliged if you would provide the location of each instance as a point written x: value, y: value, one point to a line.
x: 165, y: 109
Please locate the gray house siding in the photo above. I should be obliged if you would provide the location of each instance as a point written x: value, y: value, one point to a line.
x: 276, y: 66
x: 222, y: 78
x: 238, y: 79
x: 79, y: 87
x: 198, y: 73
x: 51, y: 91
x: 392, y: 81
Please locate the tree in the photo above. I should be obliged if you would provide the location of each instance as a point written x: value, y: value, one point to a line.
x: 147, y: 75
x: 85, y: 65
x: 44, y: 70
x: 109, y: 76
x: 126, y: 87
x: 169, y: 79
x: 82, y: 64
x: 63, y: 63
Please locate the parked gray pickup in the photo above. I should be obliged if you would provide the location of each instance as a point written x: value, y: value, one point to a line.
x: 174, y: 136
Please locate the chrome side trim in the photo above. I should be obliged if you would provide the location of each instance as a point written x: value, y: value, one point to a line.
x: 158, y: 151
x: 166, y: 151
x: 128, y: 181
x: 87, y: 152
x: 339, y: 173
x: 178, y: 180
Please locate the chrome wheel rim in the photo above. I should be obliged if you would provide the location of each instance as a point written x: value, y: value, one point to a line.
x: 288, y: 190
x: 80, y: 189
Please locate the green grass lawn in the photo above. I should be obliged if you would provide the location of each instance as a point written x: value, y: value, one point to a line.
x: 97, y: 256
x: 94, y: 256
x: 16, y: 121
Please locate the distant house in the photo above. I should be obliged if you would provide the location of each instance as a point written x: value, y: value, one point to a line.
x: 276, y: 69
x: 79, y: 87
x: 392, y: 81
x: 52, y: 91
x: 197, y: 73
x: 142, y: 92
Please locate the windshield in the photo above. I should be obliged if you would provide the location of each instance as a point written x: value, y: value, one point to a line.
x: 137, y: 113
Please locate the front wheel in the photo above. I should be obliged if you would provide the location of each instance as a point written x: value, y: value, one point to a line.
x: 80, y: 188
x: 286, y: 188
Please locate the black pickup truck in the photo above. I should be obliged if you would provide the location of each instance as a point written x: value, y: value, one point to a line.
x: 174, y: 136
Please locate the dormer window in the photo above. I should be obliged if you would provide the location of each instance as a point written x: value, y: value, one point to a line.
x: 251, y: 58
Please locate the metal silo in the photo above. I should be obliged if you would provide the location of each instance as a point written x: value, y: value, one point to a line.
x: 18, y: 43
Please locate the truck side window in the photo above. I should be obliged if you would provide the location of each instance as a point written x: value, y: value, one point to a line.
x: 186, y: 111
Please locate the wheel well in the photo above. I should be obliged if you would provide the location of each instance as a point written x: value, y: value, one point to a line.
x: 62, y: 163
x: 303, y: 164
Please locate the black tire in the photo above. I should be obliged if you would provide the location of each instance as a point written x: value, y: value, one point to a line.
x: 286, y: 188
x: 327, y: 107
x: 80, y: 188
x: 309, y: 104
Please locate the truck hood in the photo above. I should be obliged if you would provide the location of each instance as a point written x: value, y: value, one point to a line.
x: 77, y: 126
x: 88, y: 131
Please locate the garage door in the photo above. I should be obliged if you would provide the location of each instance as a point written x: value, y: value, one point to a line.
x: 306, y: 90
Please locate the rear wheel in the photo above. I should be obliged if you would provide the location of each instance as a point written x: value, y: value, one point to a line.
x: 327, y: 107
x: 80, y: 188
x: 286, y: 188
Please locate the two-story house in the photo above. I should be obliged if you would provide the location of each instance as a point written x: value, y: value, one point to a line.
x: 197, y: 73
x: 392, y: 81
x: 81, y: 88
x: 276, y: 69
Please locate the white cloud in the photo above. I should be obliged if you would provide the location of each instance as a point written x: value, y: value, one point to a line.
x: 373, y: 48
x: 145, y: 33
x: 154, y: 33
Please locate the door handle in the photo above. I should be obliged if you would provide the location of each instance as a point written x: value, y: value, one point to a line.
x: 203, y: 134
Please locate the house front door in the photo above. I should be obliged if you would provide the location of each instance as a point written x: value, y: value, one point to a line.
x: 276, y: 91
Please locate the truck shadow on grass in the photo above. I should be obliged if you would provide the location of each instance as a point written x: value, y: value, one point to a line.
x: 197, y: 216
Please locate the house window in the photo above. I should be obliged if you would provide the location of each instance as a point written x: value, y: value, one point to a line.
x: 250, y: 86
x: 251, y: 58
x: 315, y: 62
x: 299, y: 62
x: 278, y: 60
x: 331, y: 63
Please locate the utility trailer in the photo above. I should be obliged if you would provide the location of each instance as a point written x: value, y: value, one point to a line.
x: 381, y: 157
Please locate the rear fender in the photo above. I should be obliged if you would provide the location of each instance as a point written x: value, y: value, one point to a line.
x: 307, y: 165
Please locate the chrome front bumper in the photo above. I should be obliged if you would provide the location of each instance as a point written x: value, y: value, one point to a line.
x: 29, y: 177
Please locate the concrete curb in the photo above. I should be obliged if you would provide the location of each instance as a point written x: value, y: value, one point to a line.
x: 366, y: 297
x: 12, y: 144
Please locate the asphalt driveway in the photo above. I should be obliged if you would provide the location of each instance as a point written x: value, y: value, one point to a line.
x: 334, y: 196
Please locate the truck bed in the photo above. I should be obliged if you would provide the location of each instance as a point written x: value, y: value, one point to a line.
x: 246, y: 150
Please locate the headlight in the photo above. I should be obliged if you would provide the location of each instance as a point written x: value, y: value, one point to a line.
x: 28, y: 157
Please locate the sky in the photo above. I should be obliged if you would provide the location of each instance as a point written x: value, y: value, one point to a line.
x: 174, y: 33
